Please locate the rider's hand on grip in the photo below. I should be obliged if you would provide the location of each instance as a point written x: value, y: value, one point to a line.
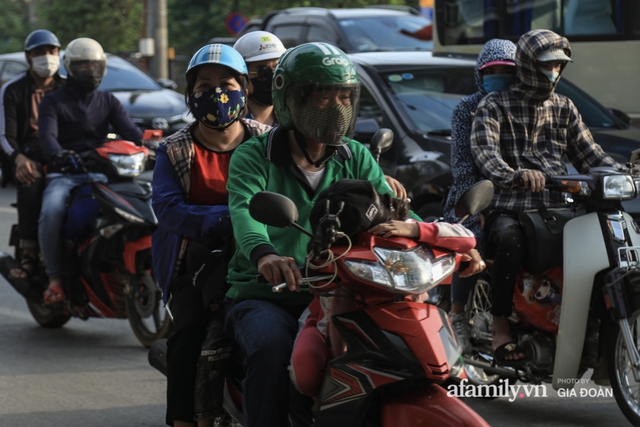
x: 66, y: 161
x: 277, y: 269
x: 533, y: 180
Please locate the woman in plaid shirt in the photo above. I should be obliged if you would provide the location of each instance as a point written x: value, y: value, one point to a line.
x: 522, y: 134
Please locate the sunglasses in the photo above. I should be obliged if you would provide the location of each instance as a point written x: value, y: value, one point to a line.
x: 264, y: 73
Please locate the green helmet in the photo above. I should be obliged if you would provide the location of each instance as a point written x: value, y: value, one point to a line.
x: 309, y: 67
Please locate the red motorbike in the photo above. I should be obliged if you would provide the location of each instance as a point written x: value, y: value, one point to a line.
x: 107, y: 269
x: 399, y: 352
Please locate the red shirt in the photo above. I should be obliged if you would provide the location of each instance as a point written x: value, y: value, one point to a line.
x: 209, y: 174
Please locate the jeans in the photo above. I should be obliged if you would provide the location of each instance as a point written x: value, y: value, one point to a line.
x: 461, y: 287
x: 265, y: 332
x: 54, y: 200
x: 29, y: 200
x: 508, y: 244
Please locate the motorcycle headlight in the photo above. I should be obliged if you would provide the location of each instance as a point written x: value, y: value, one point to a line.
x: 128, y: 165
x: 620, y: 187
x: 411, y: 271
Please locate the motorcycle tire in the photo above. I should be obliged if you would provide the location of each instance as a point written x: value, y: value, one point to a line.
x: 622, y: 381
x: 147, y: 316
x: 47, y: 317
x: 480, y: 321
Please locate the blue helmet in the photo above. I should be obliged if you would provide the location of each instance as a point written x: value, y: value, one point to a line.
x: 40, y: 38
x: 218, y: 54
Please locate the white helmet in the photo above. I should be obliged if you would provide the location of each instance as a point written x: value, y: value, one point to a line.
x: 83, y: 51
x: 259, y: 46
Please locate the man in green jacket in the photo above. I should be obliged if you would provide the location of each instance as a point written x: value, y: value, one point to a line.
x: 316, y: 92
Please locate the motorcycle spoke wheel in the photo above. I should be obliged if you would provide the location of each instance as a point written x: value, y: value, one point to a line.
x: 481, y: 322
x: 147, y: 315
x: 478, y: 311
x: 625, y: 388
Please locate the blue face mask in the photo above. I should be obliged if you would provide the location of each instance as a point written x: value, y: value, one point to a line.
x: 497, y: 82
x: 552, y: 75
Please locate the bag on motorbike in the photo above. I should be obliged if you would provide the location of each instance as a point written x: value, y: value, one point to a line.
x: 206, y: 261
x: 543, y: 231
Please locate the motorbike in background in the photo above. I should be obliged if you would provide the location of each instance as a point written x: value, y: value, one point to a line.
x: 584, y: 313
x: 107, y: 268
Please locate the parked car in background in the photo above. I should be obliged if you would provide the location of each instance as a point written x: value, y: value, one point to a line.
x: 151, y: 103
x: 368, y: 29
x: 414, y: 94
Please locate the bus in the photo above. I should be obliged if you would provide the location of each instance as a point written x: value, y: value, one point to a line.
x: 604, y: 36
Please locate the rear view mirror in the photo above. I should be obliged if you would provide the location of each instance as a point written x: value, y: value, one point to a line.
x: 624, y: 117
x: 273, y: 209
x: 474, y: 200
x: 381, y: 142
x: 168, y: 84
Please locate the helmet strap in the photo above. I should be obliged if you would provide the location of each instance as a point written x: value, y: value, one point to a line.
x: 302, y: 143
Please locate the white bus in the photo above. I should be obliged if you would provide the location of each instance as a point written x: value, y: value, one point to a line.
x: 604, y: 36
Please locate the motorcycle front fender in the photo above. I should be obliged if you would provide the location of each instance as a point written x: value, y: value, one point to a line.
x: 428, y: 404
x: 584, y: 255
x: 131, y: 248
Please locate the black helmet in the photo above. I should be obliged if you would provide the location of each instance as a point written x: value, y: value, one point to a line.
x: 40, y: 38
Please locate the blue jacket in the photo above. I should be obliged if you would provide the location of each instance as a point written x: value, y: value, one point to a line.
x: 71, y: 119
x: 178, y: 220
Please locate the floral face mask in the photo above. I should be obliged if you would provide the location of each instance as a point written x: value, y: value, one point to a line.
x: 217, y: 108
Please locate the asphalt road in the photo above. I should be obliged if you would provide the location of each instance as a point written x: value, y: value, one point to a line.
x: 95, y: 373
x: 92, y: 373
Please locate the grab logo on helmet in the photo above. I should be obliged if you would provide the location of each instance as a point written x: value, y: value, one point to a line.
x: 332, y: 61
x: 329, y: 58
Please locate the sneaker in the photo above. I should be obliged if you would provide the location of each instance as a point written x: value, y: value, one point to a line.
x: 461, y: 329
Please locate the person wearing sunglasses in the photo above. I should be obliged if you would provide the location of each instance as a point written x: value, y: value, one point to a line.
x: 261, y: 51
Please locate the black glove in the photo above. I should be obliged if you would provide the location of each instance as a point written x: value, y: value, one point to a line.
x: 66, y: 161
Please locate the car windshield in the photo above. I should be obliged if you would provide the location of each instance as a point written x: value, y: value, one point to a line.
x: 388, y: 33
x: 427, y: 97
x: 122, y: 75
x: 592, y: 114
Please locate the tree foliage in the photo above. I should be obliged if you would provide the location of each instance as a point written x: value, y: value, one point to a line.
x: 14, y: 24
x: 115, y: 24
x: 118, y: 24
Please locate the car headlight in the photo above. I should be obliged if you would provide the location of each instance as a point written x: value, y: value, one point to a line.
x: 620, y: 187
x: 411, y: 271
x: 182, y: 117
x: 128, y: 165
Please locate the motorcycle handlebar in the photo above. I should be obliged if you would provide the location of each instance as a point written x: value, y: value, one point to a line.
x: 320, y: 278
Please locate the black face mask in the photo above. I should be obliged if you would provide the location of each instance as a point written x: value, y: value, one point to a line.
x: 262, y: 86
x: 261, y: 92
